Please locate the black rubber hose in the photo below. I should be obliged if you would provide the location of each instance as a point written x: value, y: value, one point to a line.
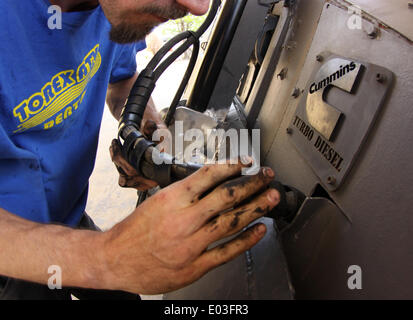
x: 175, y: 55
x: 185, y: 35
x: 184, y: 83
x: 145, y: 84
x: 214, y: 58
x: 141, y: 92
x: 162, y: 52
x: 209, y: 19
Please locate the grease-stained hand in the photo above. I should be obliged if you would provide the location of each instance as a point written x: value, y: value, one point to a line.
x: 128, y: 177
x: 163, y: 245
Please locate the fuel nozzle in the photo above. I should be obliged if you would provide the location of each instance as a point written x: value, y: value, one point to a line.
x: 291, y: 200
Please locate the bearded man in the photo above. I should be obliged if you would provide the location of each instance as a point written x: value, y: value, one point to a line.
x: 53, y: 85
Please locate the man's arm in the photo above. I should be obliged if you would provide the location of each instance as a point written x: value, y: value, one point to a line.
x: 160, y: 247
x: 28, y: 249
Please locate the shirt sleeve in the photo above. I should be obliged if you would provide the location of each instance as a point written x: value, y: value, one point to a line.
x: 125, y: 66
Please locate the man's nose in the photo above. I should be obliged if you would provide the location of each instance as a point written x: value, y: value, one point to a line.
x: 196, y: 7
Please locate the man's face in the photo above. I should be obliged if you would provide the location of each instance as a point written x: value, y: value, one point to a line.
x: 132, y: 20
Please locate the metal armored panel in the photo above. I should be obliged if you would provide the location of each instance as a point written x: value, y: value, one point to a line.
x: 376, y: 194
x: 261, y: 273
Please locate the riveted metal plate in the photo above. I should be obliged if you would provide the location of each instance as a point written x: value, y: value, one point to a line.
x: 336, y: 112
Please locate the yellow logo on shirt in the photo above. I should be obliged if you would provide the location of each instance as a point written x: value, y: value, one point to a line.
x: 60, y: 97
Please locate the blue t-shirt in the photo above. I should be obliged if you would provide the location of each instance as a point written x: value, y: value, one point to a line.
x: 53, y: 86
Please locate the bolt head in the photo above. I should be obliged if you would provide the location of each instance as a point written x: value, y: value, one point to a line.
x: 319, y: 58
x: 380, y: 77
x: 331, y: 180
x: 372, y: 35
x: 282, y: 74
x: 296, y: 93
x: 289, y: 130
x: 372, y: 30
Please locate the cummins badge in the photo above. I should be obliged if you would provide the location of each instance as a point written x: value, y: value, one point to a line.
x: 334, y: 116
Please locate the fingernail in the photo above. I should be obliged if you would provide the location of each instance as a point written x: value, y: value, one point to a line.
x: 269, y: 173
x: 273, y: 196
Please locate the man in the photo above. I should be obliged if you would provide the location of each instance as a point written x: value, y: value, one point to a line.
x: 52, y: 90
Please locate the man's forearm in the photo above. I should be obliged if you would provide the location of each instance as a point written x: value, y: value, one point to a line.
x: 28, y: 249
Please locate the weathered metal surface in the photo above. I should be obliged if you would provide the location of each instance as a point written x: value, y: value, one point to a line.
x: 311, y: 243
x: 395, y: 13
x: 375, y: 195
x: 349, y: 115
x: 269, y: 64
x: 228, y: 54
x: 270, y: 95
x: 261, y: 273
x: 367, y: 222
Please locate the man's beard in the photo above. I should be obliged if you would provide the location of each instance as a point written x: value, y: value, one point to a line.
x: 128, y: 32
